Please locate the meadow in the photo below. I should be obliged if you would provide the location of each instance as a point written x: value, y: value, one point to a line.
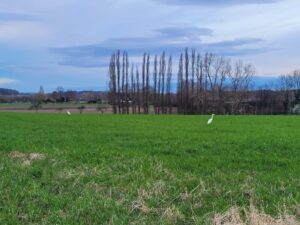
x: 108, y: 169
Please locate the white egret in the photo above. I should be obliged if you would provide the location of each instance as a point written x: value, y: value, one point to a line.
x: 211, y: 119
x: 69, y: 113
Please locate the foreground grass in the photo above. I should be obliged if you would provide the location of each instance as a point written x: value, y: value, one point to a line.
x: 145, y: 169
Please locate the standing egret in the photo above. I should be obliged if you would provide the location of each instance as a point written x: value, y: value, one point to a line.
x: 211, y: 119
x: 69, y: 113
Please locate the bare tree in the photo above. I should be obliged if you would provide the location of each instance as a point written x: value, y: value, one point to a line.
x: 201, y: 85
x: 223, y: 72
x: 138, y: 90
x: 133, y: 90
x: 163, y: 74
x: 143, y: 83
x: 127, y: 83
x: 123, y: 84
x: 147, y: 82
x: 240, y: 78
x: 118, y: 68
x: 40, y: 96
x: 113, y: 83
x: 180, y: 86
x: 296, y: 86
x: 193, y: 81
x: 215, y: 77
x: 186, y: 103
x: 60, y: 94
x: 286, y: 85
x: 208, y: 79
x: 201, y: 89
x: 159, y: 86
x: 169, y: 83
x: 155, y: 76
x: 38, y: 99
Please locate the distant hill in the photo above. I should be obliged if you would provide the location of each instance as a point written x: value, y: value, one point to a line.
x: 265, y: 81
x: 4, y: 91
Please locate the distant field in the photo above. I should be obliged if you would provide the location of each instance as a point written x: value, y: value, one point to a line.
x: 55, y: 107
x: 46, y: 106
x: 15, y: 105
x: 106, y: 169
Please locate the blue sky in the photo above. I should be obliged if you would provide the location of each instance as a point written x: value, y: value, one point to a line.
x: 68, y: 42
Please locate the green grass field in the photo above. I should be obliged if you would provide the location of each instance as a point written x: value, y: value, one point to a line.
x: 95, y: 169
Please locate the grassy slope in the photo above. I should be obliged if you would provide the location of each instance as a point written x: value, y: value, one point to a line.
x: 146, y: 169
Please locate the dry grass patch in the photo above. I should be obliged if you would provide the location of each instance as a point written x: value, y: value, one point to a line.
x: 26, y: 158
x: 251, y: 216
x: 140, y: 204
x: 172, y: 215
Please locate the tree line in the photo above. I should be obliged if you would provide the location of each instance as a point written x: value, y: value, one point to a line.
x: 139, y: 89
x: 290, y: 88
x: 201, y: 84
x: 190, y: 83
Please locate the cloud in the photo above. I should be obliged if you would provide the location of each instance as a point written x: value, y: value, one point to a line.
x: 213, y: 3
x: 172, y: 40
x: 23, y: 32
x: 4, y: 81
x: 237, y: 42
x: 184, y: 31
x: 8, y: 16
x: 161, y: 36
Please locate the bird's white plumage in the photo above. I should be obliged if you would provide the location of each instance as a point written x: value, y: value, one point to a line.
x: 69, y: 113
x: 211, y: 119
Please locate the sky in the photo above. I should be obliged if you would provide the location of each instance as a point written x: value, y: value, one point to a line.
x: 68, y: 42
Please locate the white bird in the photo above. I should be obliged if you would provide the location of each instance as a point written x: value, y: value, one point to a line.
x: 69, y: 113
x: 211, y: 119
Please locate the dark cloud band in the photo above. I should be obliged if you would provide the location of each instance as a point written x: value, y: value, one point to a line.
x: 173, y: 40
x: 4, y: 16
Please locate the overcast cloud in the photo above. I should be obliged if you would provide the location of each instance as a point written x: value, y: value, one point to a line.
x: 68, y: 43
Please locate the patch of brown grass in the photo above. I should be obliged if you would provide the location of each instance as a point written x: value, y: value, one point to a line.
x: 172, y: 215
x: 251, y: 216
x: 141, y: 206
x: 26, y: 158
